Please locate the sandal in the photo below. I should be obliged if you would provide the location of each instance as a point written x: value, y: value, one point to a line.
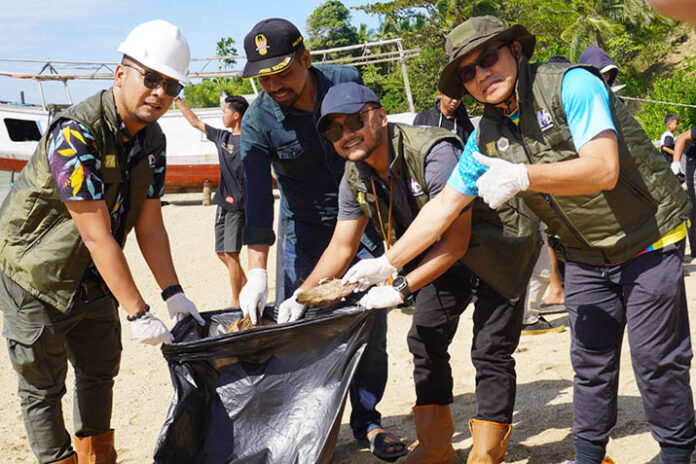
x: 380, y: 442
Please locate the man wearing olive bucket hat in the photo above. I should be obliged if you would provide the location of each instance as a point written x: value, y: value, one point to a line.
x: 555, y: 134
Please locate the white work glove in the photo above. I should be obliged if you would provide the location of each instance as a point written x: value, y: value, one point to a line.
x: 676, y: 167
x: 368, y: 272
x: 179, y: 306
x: 502, y: 181
x: 149, y: 329
x: 254, y: 293
x: 381, y: 297
x: 290, y: 310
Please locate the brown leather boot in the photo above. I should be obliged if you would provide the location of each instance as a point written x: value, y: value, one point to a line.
x: 97, y: 449
x: 490, y: 441
x: 435, y: 429
x: 69, y: 460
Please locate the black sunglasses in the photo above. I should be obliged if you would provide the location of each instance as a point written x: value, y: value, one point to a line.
x: 152, y: 80
x: 486, y: 59
x: 354, y: 122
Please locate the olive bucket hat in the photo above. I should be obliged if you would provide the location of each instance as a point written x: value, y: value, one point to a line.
x: 472, y: 34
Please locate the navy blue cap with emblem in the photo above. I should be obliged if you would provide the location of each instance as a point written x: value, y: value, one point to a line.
x: 270, y: 47
x: 345, y: 98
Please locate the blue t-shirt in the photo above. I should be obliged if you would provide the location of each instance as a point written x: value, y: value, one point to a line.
x: 586, y: 105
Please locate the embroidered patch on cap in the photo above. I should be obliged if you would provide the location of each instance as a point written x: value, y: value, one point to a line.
x: 261, y: 44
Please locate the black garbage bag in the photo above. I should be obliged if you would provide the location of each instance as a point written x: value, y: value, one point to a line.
x: 272, y: 394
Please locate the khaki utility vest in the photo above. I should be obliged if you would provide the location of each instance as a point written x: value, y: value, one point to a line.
x: 40, y: 247
x: 597, y: 228
x: 504, y: 243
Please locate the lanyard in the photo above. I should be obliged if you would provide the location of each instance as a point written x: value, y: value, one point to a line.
x: 387, y: 236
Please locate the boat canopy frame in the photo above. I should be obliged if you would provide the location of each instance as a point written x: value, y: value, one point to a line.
x: 54, y: 70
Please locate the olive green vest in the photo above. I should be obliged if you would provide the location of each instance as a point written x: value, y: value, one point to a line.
x: 597, y: 228
x: 40, y: 247
x: 504, y: 243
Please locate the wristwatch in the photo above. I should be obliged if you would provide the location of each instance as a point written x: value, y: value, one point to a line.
x: 401, y: 285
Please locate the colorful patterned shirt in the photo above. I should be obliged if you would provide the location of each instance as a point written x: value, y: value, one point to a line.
x: 75, y: 164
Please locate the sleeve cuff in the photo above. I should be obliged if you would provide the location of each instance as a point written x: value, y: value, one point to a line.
x: 257, y: 236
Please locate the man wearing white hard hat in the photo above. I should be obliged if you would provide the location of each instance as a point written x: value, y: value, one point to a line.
x: 97, y: 173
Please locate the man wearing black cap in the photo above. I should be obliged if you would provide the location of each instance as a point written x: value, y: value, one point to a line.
x: 278, y: 130
x: 393, y: 170
x: 558, y: 136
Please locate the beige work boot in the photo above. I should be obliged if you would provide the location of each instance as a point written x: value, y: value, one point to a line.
x: 97, y: 449
x: 490, y: 441
x: 72, y: 459
x: 435, y: 429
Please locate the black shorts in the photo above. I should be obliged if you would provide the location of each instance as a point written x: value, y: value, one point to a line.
x: 228, y: 230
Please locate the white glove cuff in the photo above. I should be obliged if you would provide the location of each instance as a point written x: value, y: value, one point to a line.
x: 522, y: 176
x: 258, y: 272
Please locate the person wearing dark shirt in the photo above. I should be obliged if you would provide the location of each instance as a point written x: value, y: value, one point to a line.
x: 450, y: 114
x: 278, y: 132
x: 229, y: 198
x: 684, y: 146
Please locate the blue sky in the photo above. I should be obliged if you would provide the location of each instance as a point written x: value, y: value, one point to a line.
x: 91, y: 30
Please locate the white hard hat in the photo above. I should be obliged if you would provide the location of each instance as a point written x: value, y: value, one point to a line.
x: 160, y: 46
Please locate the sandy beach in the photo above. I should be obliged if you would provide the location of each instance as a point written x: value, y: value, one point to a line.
x: 143, y: 391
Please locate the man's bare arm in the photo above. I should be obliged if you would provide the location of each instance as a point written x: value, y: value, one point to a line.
x: 190, y: 115
x: 443, y: 254
x: 153, y: 242
x: 430, y: 224
x: 94, y: 225
x: 341, y: 250
x: 595, y: 169
x: 680, y: 144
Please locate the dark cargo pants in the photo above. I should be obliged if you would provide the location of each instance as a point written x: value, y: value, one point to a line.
x: 40, y: 340
x: 497, y: 326
x: 645, y: 294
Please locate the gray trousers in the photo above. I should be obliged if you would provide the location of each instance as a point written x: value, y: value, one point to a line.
x: 645, y: 294
x: 41, y: 340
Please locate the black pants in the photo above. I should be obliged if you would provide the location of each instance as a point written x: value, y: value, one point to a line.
x: 497, y: 326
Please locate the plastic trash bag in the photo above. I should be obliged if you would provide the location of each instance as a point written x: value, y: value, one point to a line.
x: 272, y: 394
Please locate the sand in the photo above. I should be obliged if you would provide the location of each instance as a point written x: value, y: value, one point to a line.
x: 143, y: 390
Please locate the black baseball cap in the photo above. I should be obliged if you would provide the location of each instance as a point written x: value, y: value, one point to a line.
x: 345, y: 98
x: 270, y: 47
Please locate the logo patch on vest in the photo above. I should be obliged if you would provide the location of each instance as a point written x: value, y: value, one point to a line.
x: 503, y: 143
x: 416, y: 188
x: 491, y: 150
x: 363, y: 198
x: 151, y: 159
x: 110, y: 161
x: 544, y: 119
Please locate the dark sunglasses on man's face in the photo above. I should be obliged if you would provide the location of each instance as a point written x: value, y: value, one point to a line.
x: 354, y: 122
x: 486, y: 59
x: 152, y: 80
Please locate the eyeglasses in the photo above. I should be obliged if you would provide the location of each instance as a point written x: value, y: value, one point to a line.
x: 354, y: 122
x: 152, y: 80
x: 486, y: 59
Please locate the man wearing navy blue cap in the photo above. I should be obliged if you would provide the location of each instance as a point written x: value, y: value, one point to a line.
x: 278, y: 131
x: 392, y: 171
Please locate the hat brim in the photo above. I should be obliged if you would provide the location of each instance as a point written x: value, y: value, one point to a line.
x: 268, y: 66
x: 449, y: 82
x: 348, y: 108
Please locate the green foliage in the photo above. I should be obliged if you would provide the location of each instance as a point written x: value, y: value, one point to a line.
x: 206, y: 94
x: 329, y: 26
x: 678, y: 87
